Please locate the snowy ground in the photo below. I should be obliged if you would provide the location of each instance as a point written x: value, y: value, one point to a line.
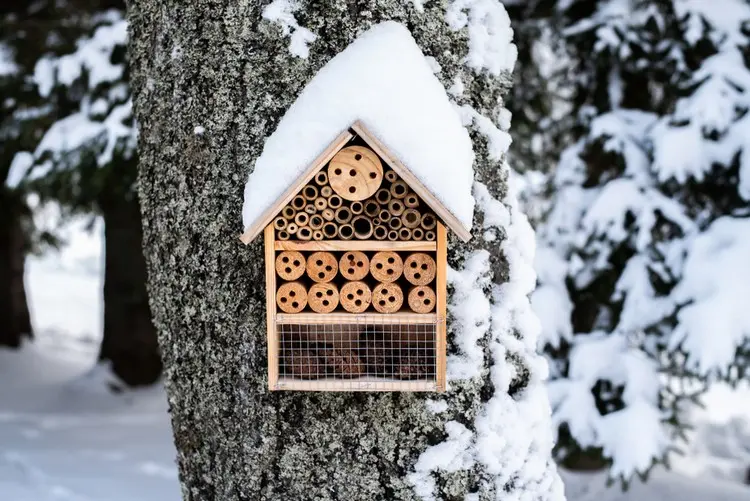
x: 64, y: 437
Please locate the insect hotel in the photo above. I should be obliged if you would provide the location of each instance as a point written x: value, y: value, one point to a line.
x: 355, y: 259
x: 355, y: 192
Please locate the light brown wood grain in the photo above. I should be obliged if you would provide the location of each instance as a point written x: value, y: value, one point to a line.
x: 358, y: 384
x: 261, y: 221
x: 441, y: 291
x: 271, y: 334
x: 355, y: 245
x: 342, y: 318
x: 355, y: 173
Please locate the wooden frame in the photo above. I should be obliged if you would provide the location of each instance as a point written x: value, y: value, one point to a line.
x: 271, y: 335
x: 441, y: 290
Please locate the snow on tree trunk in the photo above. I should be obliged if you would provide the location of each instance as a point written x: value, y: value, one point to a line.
x: 211, y: 82
x: 129, y: 338
x: 14, y: 310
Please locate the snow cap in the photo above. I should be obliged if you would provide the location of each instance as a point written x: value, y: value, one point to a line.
x: 384, y: 81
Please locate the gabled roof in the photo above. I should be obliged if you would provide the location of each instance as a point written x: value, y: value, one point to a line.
x: 383, y: 82
x: 341, y: 140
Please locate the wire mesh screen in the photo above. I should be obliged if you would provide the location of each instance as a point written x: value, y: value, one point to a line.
x: 357, y: 356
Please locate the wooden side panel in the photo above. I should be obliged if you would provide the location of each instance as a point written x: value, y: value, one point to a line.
x: 441, y: 289
x: 292, y: 190
x: 271, y: 334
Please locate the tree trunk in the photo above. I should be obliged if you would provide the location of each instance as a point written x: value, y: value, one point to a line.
x: 129, y: 342
x: 221, y: 66
x: 15, y: 321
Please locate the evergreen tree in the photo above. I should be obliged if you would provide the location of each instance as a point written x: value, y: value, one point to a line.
x: 82, y: 156
x: 212, y: 82
x: 642, y: 269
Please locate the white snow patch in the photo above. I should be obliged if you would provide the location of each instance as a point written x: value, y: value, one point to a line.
x: 7, y: 65
x: 491, y: 45
x: 199, y: 130
x: 282, y: 12
x: 19, y: 166
x: 411, y: 115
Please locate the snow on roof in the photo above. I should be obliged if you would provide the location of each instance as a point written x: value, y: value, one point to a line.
x: 383, y: 80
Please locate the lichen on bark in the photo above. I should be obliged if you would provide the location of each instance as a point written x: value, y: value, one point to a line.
x: 218, y: 65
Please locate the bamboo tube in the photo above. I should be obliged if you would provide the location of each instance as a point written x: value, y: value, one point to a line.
x: 385, y: 216
x: 355, y: 297
x: 411, y: 200
x: 421, y: 299
x: 334, y: 201
x: 411, y: 218
x: 362, y: 227
x: 310, y: 192
x: 316, y: 222
x: 391, y: 176
x: 419, y: 268
x: 292, y: 228
x: 279, y: 223
x: 288, y: 212
x: 310, y: 209
x: 396, y: 207
x: 387, y: 298
x: 417, y: 234
x: 290, y: 265
x: 346, y: 232
x: 383, y: 196
x: 386, y: 266
x: 395, y: 223
x: 377, y: 222
x: 321, y: 178
x: 372, y: 208
x: 328, y: 215
x: 302, y: 218
x: 330, y: 230
x: 320, y: 203
x: 393, y: 235
x: 356, y: 208
x: 323, y: 298
x: 399, y: 189
x: 291, y: 297
x: 326, y: 191
x: 429, y: 236
x: 380, y: 232
x: 322, y: 266
x: 404, y: 234
x: 299, y: 202
x: 354, y: 265
x: 304, y: 233
x: 282, y: 235
x: 428, y: 221
x: 318, y: 235
x: 343, y: 215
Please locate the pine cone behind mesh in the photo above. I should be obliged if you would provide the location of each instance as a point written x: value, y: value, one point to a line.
x: 343, y: 363
x: 303, y: 364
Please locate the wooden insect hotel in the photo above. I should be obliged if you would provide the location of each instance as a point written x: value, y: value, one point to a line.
x: 355, y: 257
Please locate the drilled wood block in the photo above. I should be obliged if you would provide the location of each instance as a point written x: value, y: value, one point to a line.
x: 355, y: 297
x: 387, y: 298
x: 322, y: 266
x: 355, y: 173
x: 290, y: 265
x: 323, y: 297
x: 422, y: 299
x: 386, y: 266
x: 354, y: 265
x: 291, y: 297
x: 419, y: 268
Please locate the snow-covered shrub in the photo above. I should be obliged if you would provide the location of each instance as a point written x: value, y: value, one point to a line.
x: 643, y: 274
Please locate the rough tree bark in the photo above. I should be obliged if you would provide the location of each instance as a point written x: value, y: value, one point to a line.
x: 220, y: 66
x: 129, y: 338
x: 15, y: 321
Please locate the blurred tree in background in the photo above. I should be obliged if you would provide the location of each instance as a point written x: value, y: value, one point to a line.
x: 74, y: 143
x: 642, y: 258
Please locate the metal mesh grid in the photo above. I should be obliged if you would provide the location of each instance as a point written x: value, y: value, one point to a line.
x: 365, y: 356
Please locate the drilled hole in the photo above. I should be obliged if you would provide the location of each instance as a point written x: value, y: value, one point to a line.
x: 427, y: 301
x: 295, y: 304
x: 350, y: 296
x: 325, y: 302
x: 321, y: 275
x: 288, y: 270
x: 424, y: 266
x: 352, y: 189
x: 357, y: 157
x: 351, y: 271
x: 391, y: 260
x: 352, y: 172
x: 292, y: 293
x: 319, y: 262
x: 285, y: 259
x: 373, y: 175
x: 360, y: 264
x: 329, y: 292
x: 381, y: 302
x: 379, y: 266
x: 417, y: 276
x: 389, y: 271
x: 420, y: 293
x: 283, y: 300
x: 360, y: 292
x: 329, y: 268
x: 337, y: 172
x: 319, y: 294
x: 392, y: 299
x: 413, y: 264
